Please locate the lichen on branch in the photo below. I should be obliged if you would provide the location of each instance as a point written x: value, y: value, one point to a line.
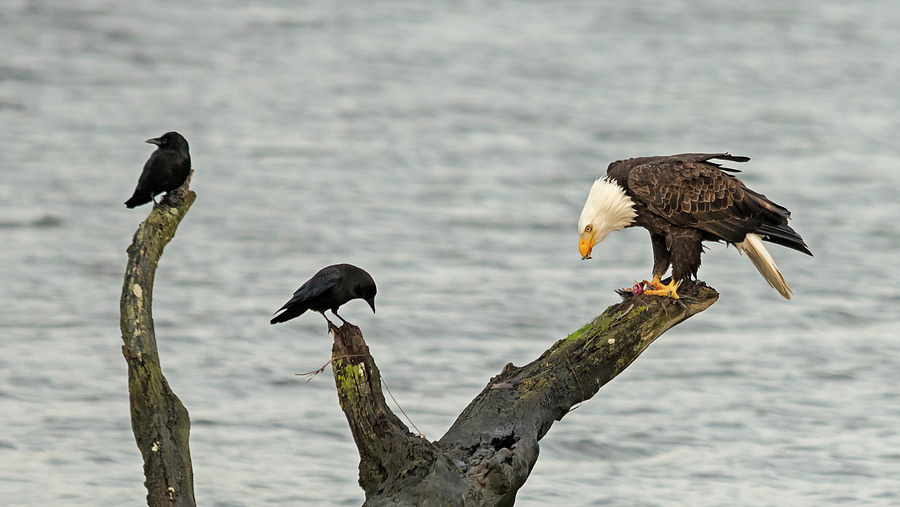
x: 489, y: 452
x: 159, y: 420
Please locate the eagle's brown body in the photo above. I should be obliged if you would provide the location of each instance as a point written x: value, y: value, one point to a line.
x: 686, y: 199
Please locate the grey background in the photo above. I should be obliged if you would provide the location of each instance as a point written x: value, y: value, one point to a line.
x: 447, y: 148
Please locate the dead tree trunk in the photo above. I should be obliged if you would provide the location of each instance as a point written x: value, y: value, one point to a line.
x: 159, y: 420
x: 488, y: 453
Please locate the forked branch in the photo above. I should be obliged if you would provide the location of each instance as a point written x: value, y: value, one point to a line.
x: 488, y: 453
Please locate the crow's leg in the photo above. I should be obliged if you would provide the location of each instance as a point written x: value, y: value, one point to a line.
x: 334, y: 311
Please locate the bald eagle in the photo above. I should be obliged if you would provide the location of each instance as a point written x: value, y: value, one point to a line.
x: 684, y: 200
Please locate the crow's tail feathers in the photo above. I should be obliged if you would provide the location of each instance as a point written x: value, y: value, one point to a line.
x: 287, y: 315
x: 138, y: 198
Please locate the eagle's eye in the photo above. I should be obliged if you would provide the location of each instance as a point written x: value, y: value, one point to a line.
x: 589, y: 228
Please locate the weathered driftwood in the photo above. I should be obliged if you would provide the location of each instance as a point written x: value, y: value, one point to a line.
x: 159, y: 420
x: 488, y: 453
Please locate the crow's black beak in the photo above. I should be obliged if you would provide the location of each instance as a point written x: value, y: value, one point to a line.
x: 157, y: 141
x: 371, y: 303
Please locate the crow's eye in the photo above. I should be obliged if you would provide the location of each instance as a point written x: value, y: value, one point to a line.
x: 589, y: 228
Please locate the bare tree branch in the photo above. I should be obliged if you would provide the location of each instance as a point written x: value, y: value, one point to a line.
x: 159, y: 420
x: 488, y: 453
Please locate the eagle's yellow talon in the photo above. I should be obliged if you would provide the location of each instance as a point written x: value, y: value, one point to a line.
x: 658, y: 289
x: 655, y: 284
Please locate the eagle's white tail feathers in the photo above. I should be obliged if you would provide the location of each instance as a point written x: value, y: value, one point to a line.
x: 764, y: 263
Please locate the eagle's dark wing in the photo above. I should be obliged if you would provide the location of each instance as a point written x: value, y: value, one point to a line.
x: 689, y: 190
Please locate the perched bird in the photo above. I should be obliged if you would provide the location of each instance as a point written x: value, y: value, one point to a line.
x: 165, y: 170
x: 684, y: 200
x: 328, y: 289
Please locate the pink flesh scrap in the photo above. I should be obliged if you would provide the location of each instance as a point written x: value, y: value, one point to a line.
x: 638, y: 288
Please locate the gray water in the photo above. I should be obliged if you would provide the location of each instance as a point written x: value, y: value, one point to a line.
x: 447, y: 148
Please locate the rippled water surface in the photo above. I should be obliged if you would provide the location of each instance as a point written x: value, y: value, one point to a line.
x: 447, y: 148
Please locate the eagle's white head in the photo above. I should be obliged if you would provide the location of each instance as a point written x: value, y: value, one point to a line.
x: 607, y: 209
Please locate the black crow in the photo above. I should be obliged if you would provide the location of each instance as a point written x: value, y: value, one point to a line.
x: 165, y: 170
x: 328, y: 289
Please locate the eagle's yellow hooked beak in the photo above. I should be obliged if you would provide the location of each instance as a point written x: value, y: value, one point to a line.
x: 585, y: 244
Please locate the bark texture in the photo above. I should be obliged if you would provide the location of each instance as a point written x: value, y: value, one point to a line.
x: 158, y: 418
x: 488, y: 453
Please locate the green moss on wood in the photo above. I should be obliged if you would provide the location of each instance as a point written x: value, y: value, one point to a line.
x: 348, y: 378
x: 578, y: 333
x: 159, y: 420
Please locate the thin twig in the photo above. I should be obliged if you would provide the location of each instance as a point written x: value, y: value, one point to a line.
x: 386, y: 388
x: 313, y: 373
